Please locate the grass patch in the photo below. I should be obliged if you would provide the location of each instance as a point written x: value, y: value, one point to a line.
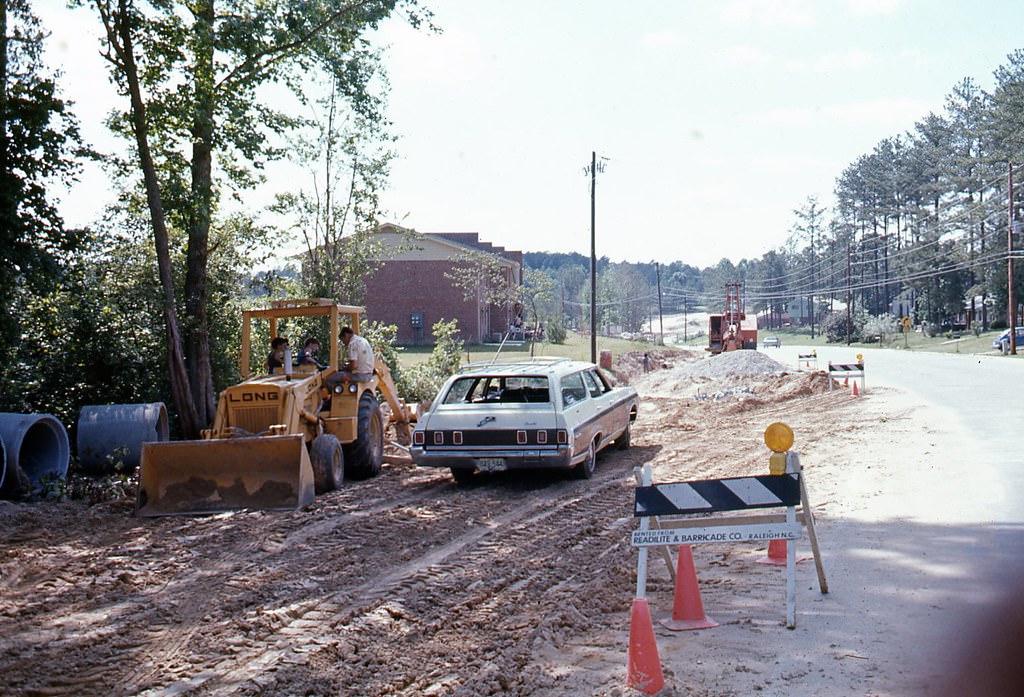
x: 965, y: 342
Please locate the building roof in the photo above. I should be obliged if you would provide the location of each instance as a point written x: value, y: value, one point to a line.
x: 459, y: 242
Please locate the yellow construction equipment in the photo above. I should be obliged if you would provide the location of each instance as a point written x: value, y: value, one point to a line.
x: 278, y: 439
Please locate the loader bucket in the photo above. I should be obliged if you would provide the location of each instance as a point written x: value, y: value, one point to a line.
x: 209, y: 476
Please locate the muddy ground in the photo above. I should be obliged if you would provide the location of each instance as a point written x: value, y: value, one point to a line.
x: 516, y: 584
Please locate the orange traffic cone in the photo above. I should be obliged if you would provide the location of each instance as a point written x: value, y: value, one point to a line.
x: 644, y: 666
x: 777, y: 554
x: 846, y: 382
x: 687, y: 608
x: 856, y: 392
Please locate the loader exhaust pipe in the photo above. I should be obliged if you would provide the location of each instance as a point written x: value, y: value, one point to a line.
x: 37, y: 447
x: 109, y: 434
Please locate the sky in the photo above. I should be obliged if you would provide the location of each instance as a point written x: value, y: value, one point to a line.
x: 715, y: 119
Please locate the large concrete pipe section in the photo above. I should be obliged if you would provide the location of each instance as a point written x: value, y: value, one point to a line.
x: 37, y: 447
x: 112, y: 433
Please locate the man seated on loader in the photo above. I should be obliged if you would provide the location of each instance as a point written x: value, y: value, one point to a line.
x: 307, y: 356
x: 360, y: 363
x: 275, y: 359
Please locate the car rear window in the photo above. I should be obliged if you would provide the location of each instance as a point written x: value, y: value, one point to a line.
x: 499, y: 389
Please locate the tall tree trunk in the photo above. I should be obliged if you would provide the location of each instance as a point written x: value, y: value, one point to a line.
x: 197, y: 331
x: 180, y: 389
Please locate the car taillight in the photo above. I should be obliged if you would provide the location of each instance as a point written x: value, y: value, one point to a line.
x: 542, y: 437
x: 418, y: 437
x: 457, y: 437
x: 520, y: 437
x: 438, y: 437
x: 563, y: 437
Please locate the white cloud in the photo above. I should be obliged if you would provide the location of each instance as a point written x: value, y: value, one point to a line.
x: 772, y: 13
x: 745, y: 56
x: 452, y: 57
x: 665, y: 38
x: 900, y: 110
x: 828, y: 63
x: 870, y: 8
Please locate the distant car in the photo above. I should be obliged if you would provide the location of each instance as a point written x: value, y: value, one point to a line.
x: 1002, y: 342
x: 537, y: 413
x: 773, y: 341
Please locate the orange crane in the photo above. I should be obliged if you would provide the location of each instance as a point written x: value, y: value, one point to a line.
x: 731, y: 330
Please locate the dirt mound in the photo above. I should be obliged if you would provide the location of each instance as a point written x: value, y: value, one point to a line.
x: 748, y: 377
x: 630, y: 365
x: 733, y: 363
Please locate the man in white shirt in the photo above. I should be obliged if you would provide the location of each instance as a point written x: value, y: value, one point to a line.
x: 360, y: 356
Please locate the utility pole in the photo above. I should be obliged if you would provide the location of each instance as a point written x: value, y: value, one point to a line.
x: 685, y: 321
x: 848, y: 297
x: 814, y: 279
x: 1011, y: 301
x: 661, y: 316
x: 592, y: 171
x: 593, y: 260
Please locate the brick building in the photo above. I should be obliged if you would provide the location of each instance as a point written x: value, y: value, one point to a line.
x: 410, y: 289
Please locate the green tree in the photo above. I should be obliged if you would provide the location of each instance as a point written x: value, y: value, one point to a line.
x: 38, y: 143
x: 423, y: 380
x: 336, y: 219
x: 193, y: 73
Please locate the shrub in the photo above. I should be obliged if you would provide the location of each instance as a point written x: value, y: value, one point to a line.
x: 877, y: 327
x: 834, y: 328
x: 555, y: 331
x: 424, y: 380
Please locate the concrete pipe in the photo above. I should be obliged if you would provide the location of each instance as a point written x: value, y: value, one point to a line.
x: 112, y: 433
x: 37, y: 446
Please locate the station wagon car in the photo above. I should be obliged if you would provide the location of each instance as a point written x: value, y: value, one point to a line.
x: 537, y: 413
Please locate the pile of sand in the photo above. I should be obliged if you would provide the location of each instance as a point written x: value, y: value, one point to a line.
x: 731, y: 374
x: 733, y: 363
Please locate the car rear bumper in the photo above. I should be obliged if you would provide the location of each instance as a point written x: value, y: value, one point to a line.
x: 487, y: 460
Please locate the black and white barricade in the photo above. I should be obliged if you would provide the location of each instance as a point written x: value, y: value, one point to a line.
x: 807, y: 361
x: 682, y: 514
x: 844, y: 371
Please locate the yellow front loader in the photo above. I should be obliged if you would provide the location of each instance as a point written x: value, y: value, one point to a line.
x: 278, y: 439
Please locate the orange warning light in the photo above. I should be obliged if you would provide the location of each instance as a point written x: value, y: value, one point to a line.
x: 778, y: 437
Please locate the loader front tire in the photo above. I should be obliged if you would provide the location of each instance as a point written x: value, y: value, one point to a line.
x: 364, y: 455
x: 328, y: 461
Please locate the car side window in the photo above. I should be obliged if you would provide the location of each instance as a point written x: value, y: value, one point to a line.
x: 592, y: 384
x: 573, y: 391
x: 602, y: 382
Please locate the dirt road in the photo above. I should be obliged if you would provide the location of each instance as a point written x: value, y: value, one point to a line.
x: 409, y: 585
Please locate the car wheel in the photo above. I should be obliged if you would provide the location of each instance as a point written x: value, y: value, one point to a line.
x: 623, y: 441
x: 328, y: 461
x: 462, y: 475
x: 585, y: 470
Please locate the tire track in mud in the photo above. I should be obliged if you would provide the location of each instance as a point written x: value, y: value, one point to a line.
x: 354, y: 610
x: 300, y: 639
x: 242, y: 567
x: 405, y: 584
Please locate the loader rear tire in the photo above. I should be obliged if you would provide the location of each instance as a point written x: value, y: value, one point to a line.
x: 328, y: 461
x: 364, y: 455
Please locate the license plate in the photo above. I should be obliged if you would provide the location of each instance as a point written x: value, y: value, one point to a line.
x: 490, y: 464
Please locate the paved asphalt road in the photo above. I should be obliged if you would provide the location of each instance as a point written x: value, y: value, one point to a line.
x: 985, y: 392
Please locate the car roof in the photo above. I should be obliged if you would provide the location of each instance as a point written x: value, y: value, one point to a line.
x: 539, y: 365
